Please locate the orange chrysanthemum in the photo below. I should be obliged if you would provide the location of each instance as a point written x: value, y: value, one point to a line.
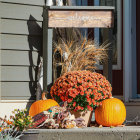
x: 83, y: 90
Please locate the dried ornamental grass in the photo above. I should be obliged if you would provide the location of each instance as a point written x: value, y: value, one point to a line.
x: 83, y: 90
x: 78, y: 55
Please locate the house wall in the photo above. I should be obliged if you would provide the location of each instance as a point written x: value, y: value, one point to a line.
x: 20, y: 50
x: 21, y: 43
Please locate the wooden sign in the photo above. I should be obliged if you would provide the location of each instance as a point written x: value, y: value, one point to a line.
x: 80, y: 19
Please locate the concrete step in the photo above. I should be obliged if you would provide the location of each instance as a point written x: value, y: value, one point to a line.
x: 90, y: 133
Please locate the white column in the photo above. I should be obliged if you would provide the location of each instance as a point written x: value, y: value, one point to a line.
x: 127, y: 55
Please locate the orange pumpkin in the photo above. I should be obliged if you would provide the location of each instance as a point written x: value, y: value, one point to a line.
x: 112, y: 112
x: 42, y: 105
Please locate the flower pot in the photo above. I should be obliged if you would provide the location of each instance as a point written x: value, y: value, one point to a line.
x: 86, y: 115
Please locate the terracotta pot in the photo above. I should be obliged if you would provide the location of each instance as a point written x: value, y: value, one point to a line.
x: 86, y: 115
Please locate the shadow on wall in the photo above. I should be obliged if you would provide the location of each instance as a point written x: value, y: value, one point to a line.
x: 35, y: 45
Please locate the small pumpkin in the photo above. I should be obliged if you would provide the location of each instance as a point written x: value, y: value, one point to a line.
x: 42, y: 105
x: 112, y: 112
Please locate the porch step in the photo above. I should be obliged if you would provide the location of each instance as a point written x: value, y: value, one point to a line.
x: 91, y: 133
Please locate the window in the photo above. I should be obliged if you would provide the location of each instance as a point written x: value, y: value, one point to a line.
x: 101, y: 35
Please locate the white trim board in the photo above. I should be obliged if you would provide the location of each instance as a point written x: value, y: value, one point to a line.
x: 6, y: 108
x: 17, y: 101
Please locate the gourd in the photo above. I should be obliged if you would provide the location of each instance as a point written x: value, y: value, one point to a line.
x: 42, y: 105
x: 112, y: 112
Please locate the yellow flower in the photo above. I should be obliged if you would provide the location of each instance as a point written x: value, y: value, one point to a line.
x: 25, y: 109
x: 20, y: 120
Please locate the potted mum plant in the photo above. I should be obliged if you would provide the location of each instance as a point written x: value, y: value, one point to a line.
x: 79, y: 84
x: 83, y: 91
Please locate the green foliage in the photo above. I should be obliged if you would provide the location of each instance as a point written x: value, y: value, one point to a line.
x: 21, y: 120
